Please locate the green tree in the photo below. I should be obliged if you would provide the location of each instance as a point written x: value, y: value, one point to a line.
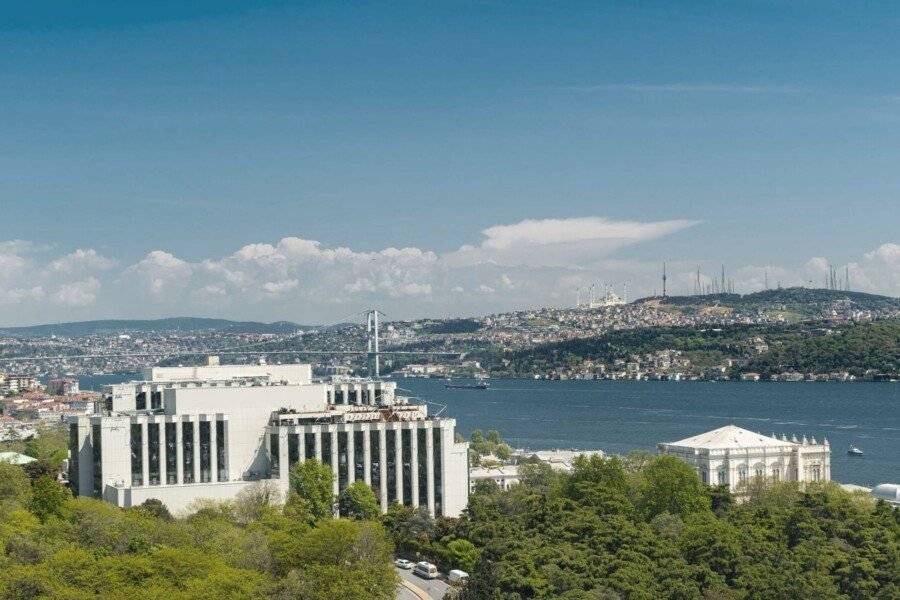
x: 15, y: 486
x: 358, y: 501
x: 671, y: 486
x: 311, y: 484
x: 48, y: 498
x: 463, y: 554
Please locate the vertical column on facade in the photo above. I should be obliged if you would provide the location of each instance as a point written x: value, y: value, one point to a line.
x: 334, y: 458
x: 196, y: 425
x: 163, y: 474
x: 367, y: 455
x: 317, y: 443
x: 351, y: 454
x: 213, y: 451
x: 179, y: 453
x: 414, y: 463
x: 226, y: 466
x: 801, y: 475
x: 382, y: 466
x: 446, y: 445
x: 145, y: 454
x: 398, y: 461
x: 429, y: 468
x: 283, y: 466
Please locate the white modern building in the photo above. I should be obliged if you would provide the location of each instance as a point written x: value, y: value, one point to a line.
x: 732, y: 455
x: 185, y: 433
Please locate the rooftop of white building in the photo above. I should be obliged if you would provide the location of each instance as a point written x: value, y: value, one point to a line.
x: 730, y: 436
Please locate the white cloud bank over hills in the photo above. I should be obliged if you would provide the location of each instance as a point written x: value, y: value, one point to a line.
x: 526, y: 264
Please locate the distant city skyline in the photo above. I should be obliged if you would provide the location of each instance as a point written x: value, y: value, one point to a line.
x: 300, y: 161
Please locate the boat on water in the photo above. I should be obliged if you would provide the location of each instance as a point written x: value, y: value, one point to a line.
x: 854, y: 451
x: 478, y: 385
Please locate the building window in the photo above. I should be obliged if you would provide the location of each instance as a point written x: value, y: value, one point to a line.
x: 73, y: 460
x: 422, y: 440
x: 187, y: 451
x: 391, y: 447
x: 406, y: 438
x: 137, y: 458
x: 704, y: 477
x: 776, y: 474
x: 140, y: 401
x: 359, y: 459
x: 293, y: 449
x: 171, y: 454
x: 365, y: 396
x: 221, y: 458
x: 723, y: 477
x: 378, y: 393
x: 375, y: 473
x: 339, y: 396
x: 205, y: 456
x: 310, y: 443
x: 343, y: 462
x: 328, y: 396
x: 438, y: 476
x: 156, y: 400
x: 760, y: 472
x: 97, y: 459
x: 274, y: 456
x: 742, y: 474
x: 352, y: 396
x: 153, y: 452
x: 816, y: 473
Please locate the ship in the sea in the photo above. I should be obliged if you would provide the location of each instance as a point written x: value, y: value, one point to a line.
x: 854, y: 451
x: 481, y: 384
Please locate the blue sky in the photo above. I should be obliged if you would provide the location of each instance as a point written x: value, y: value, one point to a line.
x: 759, y: 134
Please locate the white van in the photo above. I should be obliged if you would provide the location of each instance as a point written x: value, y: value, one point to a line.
x: 456, y: 576
x: 426, y: 570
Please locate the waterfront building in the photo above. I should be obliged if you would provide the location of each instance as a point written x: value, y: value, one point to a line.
x: 733, y: 456
x: 63, y: 386
x: 185, y: 433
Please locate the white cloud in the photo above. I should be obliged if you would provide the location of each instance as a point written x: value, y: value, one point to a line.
x: 277, y: 288
x: 78, y: 293
x: 526, y: 264
x: 159, y: 274
x: 82, y: 260
x: 562, y: 242
x: 886, y: 253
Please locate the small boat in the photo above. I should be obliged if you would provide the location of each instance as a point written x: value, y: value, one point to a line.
x: 854, y: 451
x: 480, y: 385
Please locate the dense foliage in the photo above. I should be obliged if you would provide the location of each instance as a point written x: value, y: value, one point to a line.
x: 645, y: 528
x: 58, y: 547
x: 804, y: 348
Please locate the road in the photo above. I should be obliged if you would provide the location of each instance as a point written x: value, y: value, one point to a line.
x: 434, y: 587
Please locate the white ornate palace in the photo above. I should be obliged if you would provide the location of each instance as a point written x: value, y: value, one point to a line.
x: 184, y: 433
x: 732, y: 455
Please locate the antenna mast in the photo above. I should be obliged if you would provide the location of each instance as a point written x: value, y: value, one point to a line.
x: 664, y: 279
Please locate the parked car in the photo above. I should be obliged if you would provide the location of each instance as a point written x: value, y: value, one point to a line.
x: 402, y: 563
x: 457, y: 576
x: 426, y: 570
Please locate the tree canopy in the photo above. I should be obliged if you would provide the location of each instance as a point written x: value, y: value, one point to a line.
x: 53, y: 545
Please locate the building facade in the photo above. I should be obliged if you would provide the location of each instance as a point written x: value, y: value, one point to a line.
x: 733, y: 456
x: 185, y: 433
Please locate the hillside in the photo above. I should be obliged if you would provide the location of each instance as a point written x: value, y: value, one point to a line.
x: 803, y: 348
x: 169, y: 325
x: 798, y: 300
